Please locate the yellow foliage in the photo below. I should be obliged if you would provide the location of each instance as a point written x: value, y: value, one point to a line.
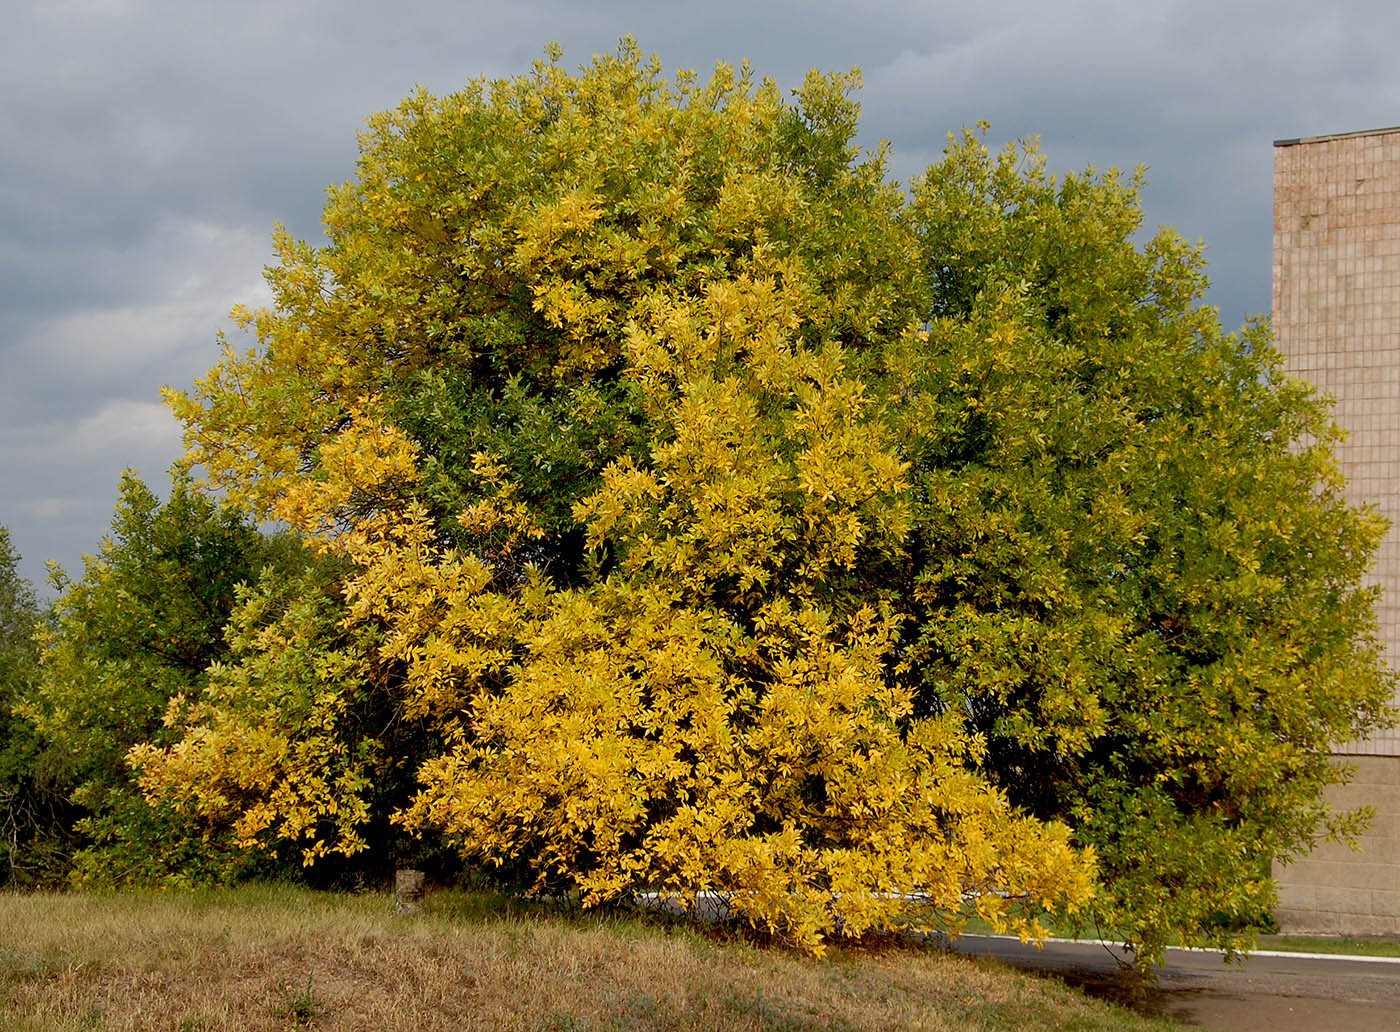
x: 266, y: 750
x: 364, y: 468
x: 710, y: 719
x: 713, y: 698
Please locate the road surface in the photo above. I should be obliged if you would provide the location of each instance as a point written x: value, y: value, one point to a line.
x: 1268, y: 992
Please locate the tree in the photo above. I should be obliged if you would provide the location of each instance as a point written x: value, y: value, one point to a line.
x: 32, y: 813
x: 1137, y: 572
x: 137, y: 633
x: 732, y: 520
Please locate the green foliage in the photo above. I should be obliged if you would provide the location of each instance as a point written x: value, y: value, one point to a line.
x: 1138, y: 575
x: 714, y: 515
x: 19, y: 617
x: 32, y: 812
x: 140, y: 629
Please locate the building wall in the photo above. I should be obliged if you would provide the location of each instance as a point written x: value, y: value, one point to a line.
x: 1336, y: 314
x: 1337, y: 322
x: 1336, y: 891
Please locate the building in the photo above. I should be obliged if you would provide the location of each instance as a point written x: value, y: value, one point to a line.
x: 1336, y: 316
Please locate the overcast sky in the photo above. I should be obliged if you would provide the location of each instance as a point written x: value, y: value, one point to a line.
x: 147, y: 147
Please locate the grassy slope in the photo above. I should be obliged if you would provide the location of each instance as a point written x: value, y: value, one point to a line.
x: 275, y: 958
x: 1327, y: 944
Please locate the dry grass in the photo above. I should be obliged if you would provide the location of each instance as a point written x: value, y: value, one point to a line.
x: 277, y: 958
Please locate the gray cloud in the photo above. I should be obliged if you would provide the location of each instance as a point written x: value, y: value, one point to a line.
x: 147, y: 147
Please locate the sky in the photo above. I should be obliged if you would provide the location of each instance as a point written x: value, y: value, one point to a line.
x: 148, y: 148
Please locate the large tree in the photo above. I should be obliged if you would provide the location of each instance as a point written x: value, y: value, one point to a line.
x: 737, y: 521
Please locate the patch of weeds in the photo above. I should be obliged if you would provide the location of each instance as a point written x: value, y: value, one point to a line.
x: 559, y: 1021
x: 298, y: 1005
x: 774, y: 1016
x: 12, y: 966
x: 16, y: 966
x: 644, y: 1011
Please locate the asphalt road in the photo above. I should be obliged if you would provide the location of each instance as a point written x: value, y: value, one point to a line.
x: 1265, y: 993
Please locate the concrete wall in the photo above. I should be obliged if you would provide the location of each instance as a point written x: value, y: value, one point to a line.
x: 1336, y: 316
x: 1335, y: 891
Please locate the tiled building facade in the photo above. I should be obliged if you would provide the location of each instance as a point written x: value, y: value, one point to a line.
x: 1336, y: 316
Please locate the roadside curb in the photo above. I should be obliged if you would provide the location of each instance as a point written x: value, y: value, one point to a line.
x: 1284, y: 954
x: 710, y: 906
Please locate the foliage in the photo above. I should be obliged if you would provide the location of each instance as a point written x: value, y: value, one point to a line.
x: 484, y: 266
x: 32, y: 813
x: 604, y: 491
x: 711, y: 717
x: 716, y: 516
x: 298, y: 748
x: 1138, y: 574
x: 139, y: 629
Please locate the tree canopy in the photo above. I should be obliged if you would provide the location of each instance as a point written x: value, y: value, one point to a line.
x: 714, y: 514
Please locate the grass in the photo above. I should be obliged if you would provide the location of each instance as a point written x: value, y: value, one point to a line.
x: 1320, y: 944
x: 274, y: 958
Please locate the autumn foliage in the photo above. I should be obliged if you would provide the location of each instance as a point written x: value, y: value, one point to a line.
x: 715, y: 516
